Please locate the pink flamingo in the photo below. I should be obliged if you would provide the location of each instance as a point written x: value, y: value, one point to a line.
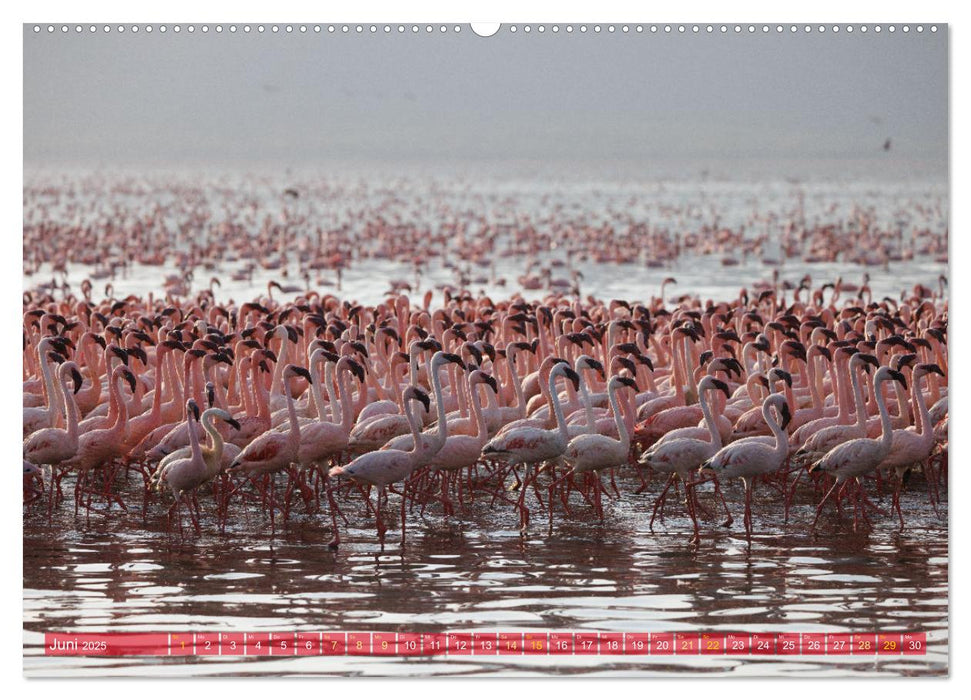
x: 853, y: 459
x: 912, y: 445
x: 750, y: 458
x: 681, y: 456
x: 382, y: 468
x: 531, y: 445
x: 99, y: 447
x: 591, y: 452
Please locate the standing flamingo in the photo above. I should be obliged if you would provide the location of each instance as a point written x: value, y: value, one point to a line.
x: 384, y: 467
x: 592, y: 452
x: 749, y: 458
x: 853, y: 459
x: 912, y: 445
x: 531, y: 445
x: 681, y: 456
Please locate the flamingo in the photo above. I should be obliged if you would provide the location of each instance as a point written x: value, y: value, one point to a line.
x: 185, y: 474
x: 591, y: 452
x: 854, y: 458
x: 748, y: 458
x: 679, y: 457
x: 912, y: 445
x: 461, y: 451
x: 273, y: 450
x: 531, y: 445
x: 99, y: 447
x: 827, y: 438
x: 384, y: 467
x: 55, y: 445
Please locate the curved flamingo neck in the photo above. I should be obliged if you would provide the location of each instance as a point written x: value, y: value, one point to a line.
x: 618, y: 416
x: 716, y: 438
x: 343, y: 381
x: 70, y: 409
x: 516, y: 383
x: 292, y: 414
x: 557, y: 409
x: 861, y: 413
x: 441, y: 433
x: 122, y: 417
x: 216, y: 450
x: 482, y: 433
x: 781, y: 440
x: 886, y: 437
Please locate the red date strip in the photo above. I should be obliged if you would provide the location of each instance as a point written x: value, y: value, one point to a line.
x: 523, y: 643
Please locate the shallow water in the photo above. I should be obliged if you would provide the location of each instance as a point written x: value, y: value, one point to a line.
x: 474, y: 572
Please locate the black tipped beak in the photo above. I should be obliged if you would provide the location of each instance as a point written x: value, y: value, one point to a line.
x: 233, y: 422
x: 899, y: 377
x: 300, y: 371
x: 573, y: 377
x: 78, y: 380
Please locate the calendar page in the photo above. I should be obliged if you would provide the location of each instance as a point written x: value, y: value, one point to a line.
x: 517, y: 349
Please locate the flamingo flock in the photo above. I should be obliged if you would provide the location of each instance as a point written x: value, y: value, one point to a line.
x: 319, y: 403
x: 438, y: 233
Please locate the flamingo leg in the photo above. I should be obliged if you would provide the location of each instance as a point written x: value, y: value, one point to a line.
x: 819, y: 508
x: 659, y: 501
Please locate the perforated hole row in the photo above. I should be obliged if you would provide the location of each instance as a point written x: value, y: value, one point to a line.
x: 511, y: 28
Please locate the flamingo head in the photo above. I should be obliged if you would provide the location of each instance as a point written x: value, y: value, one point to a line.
x: 786, y: 415
x: 624, y: 381
x: 868, y: 360
x: 775, y: 374
x: 414, y: 393
x: 930, y: 368
x: 721, y: 386
x: 897, y: 376
x: 900, y: 361
x: 590, y: 363
x: 129, y: 377
x: 295, y: 370
x: 480, y: 377
x: 78, y: 379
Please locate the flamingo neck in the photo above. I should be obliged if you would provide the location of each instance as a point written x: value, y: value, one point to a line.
x: 618, y: 417
x: 415, y: 423
x: 516, y: 384
x: 282, y: 360
x: 886, y: 437
x: 860, y: 403
x: 587, y: 406
x: 122, y: 416
x: 71, y: 410
x: 781, y: 440
x: 292, y: 413
x: 482, y: 433
x: 344, y: 390
x: 557, y: 409
x: 716, y: 438
x: 441, y: 433
x: 216, y: 451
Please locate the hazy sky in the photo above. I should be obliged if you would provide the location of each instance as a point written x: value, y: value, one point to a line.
x: 101, y: 99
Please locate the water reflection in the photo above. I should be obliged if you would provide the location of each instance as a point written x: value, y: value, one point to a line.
x: 473, y: 573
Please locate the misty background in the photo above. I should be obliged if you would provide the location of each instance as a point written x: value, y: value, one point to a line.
x: 184, y: 99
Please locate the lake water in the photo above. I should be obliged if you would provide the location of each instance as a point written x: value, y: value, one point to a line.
x: 474, y: 572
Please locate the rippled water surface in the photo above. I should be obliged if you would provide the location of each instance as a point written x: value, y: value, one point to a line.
x: 126, y: 572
